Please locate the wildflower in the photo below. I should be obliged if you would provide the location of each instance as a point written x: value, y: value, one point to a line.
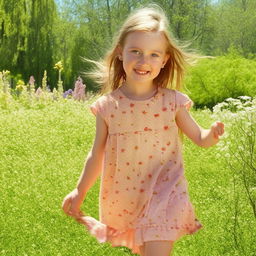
x: 20, y: 85
x: 39, y: 91
x: 245, y: 98
x: 58, y: 66
x: 79, y: 91
x: 229, y: 99
x: 31, y: 83
x: 227, y: 155
x: 68, y: 93
x: 31, y: 80
x: 44, y: 81
x: 243, y: 103
x: 54, y: 94
x: 220, y: 106
x: 6, y: 73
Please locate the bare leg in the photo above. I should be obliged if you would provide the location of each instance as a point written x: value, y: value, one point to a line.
x: 158, y: 248
x: 142, y: 250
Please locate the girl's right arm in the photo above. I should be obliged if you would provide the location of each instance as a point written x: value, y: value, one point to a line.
x: 94, y: 161
x: 92, y: 169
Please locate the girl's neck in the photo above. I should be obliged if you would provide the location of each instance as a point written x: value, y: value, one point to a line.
x: 138, y: 90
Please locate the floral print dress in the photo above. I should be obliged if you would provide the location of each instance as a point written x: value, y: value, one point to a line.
x: 143, y: 192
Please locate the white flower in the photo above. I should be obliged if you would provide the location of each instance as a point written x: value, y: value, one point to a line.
x: 227, y: 155
x: 245, y: 97
x: 229, y: 99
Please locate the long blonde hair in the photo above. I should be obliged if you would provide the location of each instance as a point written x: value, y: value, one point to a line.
x: 109, y: 72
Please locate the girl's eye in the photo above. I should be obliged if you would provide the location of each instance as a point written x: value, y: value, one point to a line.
x: 135, y: 52
x: 155, y: 55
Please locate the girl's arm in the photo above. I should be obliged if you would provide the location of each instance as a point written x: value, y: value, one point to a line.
x: 94, y: 162
x: 202, y: 137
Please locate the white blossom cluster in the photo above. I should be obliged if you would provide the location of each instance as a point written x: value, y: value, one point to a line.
x: 239, y: 117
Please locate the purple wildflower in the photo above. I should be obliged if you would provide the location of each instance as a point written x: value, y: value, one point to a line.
x: 68, y: 93
x: 79, y: 91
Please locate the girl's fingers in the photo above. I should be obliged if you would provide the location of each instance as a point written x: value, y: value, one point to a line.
x: 71, y: 206
x: 218, y: 129
x: 221, y: 129
x: 112, y: 232
x: 65, y: 205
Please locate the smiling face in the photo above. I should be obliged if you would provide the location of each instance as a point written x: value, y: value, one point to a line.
x: 143, y: 55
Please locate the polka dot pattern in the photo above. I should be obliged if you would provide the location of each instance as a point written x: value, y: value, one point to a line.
x: 144, y: 192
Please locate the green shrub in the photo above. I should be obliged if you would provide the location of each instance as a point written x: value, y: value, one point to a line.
x: 213, y: 80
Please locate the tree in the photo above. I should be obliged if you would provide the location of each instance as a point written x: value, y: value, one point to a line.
x: 13, y: 33
x: 39, y: 54
x: 235, y: 26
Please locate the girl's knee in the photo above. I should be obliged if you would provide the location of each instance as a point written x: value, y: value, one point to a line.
x: 159, y: 248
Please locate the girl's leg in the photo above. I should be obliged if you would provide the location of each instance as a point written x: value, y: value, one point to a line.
x: 158, y: 248
x: 142, y: 250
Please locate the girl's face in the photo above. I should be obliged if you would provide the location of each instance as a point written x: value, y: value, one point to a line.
x: 143, y: 55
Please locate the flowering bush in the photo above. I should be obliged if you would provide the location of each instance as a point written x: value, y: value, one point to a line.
x: 27, y: 96
x: 238, y: 152
x: 234, y: 105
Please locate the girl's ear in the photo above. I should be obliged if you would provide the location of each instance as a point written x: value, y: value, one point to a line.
x: 167, y: 56
x: 119, y: 51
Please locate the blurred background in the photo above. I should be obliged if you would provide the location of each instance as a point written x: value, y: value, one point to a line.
x: 36, y: 34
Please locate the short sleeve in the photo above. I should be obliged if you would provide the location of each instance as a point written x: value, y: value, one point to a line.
x: 99, y: 106
x: 183, y: 101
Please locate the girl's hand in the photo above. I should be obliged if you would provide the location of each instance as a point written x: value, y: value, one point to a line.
x: 217, y: 129
x: 71, y: 204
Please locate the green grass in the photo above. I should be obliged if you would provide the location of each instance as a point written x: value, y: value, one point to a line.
x: 42, y: 154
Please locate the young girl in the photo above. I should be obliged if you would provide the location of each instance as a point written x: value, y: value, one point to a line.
x: 144, y: 201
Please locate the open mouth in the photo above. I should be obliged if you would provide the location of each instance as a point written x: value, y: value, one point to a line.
x: 141, y: 72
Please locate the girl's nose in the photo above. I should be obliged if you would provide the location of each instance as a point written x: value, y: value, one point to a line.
x: 143, y: 59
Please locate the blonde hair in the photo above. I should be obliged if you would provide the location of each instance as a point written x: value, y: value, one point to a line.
x: 109, y: 72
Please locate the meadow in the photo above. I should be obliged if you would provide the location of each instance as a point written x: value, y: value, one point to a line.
x: 42, y: 153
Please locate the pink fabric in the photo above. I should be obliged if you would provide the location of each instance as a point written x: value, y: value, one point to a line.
x: 144, y: 193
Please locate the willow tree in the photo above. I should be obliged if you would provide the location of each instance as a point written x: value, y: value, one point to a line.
x: 13, y: 33
x: 39, y: 54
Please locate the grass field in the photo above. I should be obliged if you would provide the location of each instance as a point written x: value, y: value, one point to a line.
x: 42, y: 154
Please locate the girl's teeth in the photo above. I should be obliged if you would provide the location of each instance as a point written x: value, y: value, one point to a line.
x: 141, y: 72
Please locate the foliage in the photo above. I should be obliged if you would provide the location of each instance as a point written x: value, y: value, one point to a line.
x: 231, y: 31
x: 26, y: 37
x: 36, y: 34
x: 238, y: 152
x: 211, y: 81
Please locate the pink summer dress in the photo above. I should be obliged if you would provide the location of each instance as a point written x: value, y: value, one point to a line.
x: 143, y: 191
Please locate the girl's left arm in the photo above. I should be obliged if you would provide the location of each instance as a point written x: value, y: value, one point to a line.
x: 202, y: 137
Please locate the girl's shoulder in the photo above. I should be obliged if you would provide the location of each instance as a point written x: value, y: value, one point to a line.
x: 103, y: 104
x: 179, y: 98
x: 105, y: 98
x: 175, y: 92
x: 177, y: 95
x: 182, y: 100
